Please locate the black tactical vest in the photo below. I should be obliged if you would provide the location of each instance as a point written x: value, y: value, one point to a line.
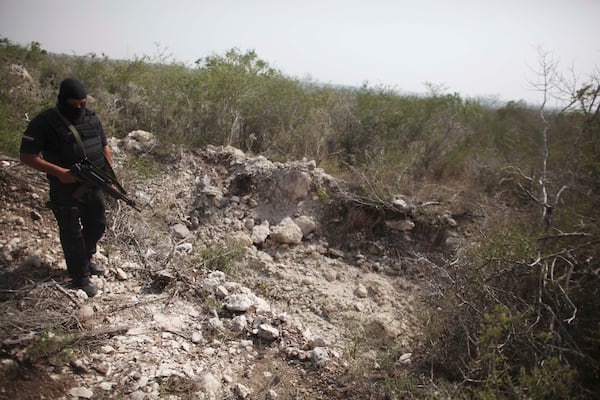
x: 65, y: 150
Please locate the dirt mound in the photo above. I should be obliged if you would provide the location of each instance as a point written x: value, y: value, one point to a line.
x: 240, y: 277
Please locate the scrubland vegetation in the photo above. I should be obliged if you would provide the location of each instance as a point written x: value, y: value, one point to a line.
x: 515, y: 313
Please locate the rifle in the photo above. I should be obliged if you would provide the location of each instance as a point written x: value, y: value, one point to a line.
x: 92, y: 175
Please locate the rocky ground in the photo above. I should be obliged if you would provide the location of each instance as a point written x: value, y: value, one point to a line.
x: 240, y: 278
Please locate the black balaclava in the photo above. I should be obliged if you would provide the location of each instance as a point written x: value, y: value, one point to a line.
x: 73, y: 89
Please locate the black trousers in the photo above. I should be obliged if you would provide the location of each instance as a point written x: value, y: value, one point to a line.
x: 81, y: 223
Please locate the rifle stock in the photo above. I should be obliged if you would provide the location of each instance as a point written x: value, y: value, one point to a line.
x: 90, y: 174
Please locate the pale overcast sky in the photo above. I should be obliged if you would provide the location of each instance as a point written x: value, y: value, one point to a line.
x: 477, y: 48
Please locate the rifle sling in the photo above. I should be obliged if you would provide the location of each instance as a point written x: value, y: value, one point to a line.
x: 73, y: 130
x: 111, y: 172
x: 80, y: 142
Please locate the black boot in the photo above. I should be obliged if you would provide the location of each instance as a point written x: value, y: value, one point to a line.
x: 87, y: 286
x: 96, y: 269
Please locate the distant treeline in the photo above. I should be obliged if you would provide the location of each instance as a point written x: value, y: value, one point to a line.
x: 238, y: 99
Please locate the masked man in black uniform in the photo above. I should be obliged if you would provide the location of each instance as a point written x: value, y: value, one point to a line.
x: 79, y: 209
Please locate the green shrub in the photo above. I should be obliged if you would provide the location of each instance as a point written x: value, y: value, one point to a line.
x: 514, y: 317
x: 51, y: 347
x: 221, y: 258
x: 143, y: 166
